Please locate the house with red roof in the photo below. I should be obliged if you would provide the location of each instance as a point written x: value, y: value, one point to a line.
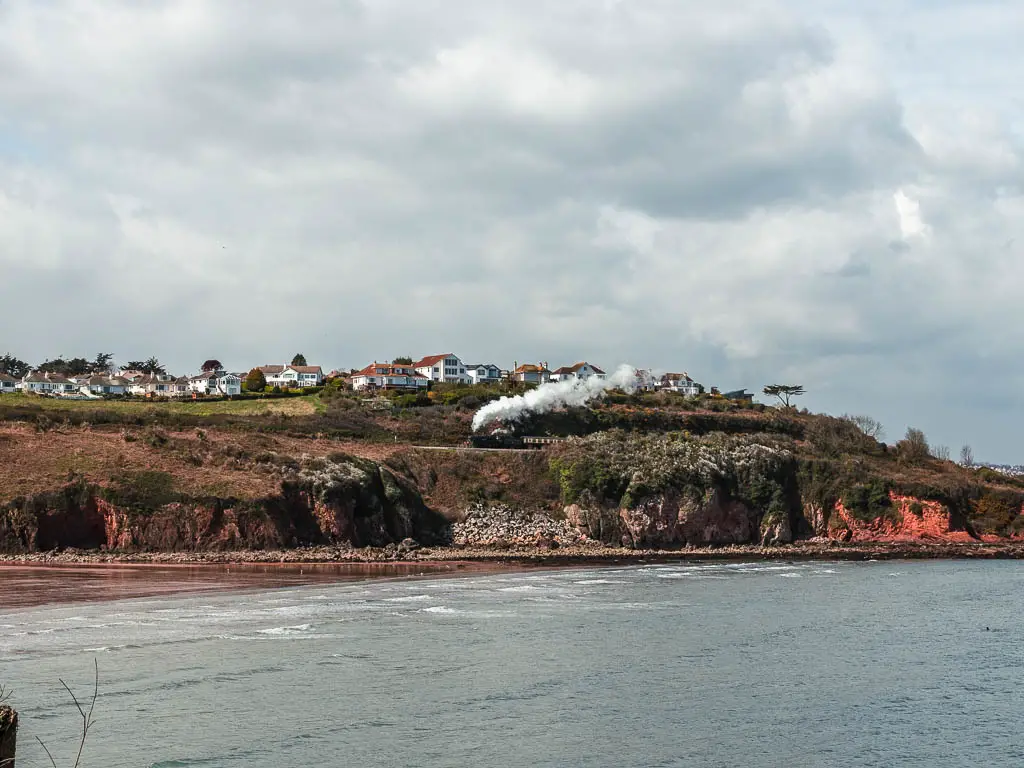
x: 388, y: 376
x: 447, y: 368
x: 680, y: 383
x: 580, y: 372
x: 529, y: 373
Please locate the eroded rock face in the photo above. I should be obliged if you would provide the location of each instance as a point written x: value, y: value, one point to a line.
x: 910, y: 520
x: 341, y: 501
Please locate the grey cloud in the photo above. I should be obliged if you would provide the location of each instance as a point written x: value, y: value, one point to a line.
x: 665, y: 183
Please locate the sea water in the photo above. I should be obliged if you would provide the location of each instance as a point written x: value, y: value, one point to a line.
x: 758, y: 664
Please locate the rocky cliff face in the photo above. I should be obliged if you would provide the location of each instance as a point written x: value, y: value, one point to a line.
x: 909, y: 519
x: 337, y: 501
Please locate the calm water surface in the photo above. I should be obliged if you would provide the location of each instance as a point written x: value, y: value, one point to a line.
x: 873, y: 664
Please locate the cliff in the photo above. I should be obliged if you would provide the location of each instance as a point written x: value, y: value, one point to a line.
x: 663, y: 479
x: 341, y: 501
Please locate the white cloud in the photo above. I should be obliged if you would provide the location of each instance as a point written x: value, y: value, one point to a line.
x: 748, y: 192
x: 909, y: 211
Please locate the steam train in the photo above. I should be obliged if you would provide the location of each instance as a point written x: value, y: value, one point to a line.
x: 510, y: 441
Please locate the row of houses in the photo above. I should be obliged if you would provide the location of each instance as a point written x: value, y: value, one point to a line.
x: 449, y: 368
x: 219, y: 382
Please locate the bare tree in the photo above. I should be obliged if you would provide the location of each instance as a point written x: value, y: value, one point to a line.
x: 967, y: 456
x: 941, y: 452
x: 869, y: 426
x: 87, y: 720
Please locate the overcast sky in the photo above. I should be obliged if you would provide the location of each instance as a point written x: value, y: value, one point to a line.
x: 823, y: 192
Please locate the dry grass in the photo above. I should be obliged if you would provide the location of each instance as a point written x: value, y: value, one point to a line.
x: 293, y: 406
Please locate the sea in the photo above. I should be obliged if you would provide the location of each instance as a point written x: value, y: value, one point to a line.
x: 674, y: 664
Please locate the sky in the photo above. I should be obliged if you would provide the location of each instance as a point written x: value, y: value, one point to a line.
x: 816, y: 192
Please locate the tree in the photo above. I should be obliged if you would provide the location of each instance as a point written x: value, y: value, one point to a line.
x: 404, y: 360
x: 784, y: 392
x: 12, y: 366
x: 913, y: 448
x: 967, y: 456
x: 255, y: 381
x: 134, y: 365
x: 212, y: 365
x: 104, y: 363
x: 869, y: 426
x: 152, y: 365
x: 299, y: 359
x: 941, y: 452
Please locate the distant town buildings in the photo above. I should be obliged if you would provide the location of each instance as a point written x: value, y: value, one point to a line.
x: 418, y: 376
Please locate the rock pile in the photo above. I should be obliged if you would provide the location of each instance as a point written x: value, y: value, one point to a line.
x: 499, y: 525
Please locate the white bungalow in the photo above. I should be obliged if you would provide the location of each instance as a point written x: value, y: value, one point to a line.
x: 216, y: 383
x: 483, y: 373
x: 105, y: 385
x: 293, y: 375
x: 579, y: 372
x: 8, y: 383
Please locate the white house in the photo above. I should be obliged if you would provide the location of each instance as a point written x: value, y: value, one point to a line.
x: 680, y: 383
x: 215, y: 383
x: 105, y: 385
x: 388, y: 376
x: 48, y: 384
x: 483, y: 373
x: 293, y: 375
x: 532, y: 374
x: 447, y: 368
x: 152, y: 385
x: 579, y: 371
x: 7, y: 383
x: 645, y: 380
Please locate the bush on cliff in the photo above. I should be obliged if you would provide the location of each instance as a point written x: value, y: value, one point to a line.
x: 622, y: 469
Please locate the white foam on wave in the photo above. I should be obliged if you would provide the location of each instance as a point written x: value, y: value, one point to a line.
x: 407, y: 599
x: 791, y: 575
x: 439, y: 609
x: 285, y: 630
x: 598, y: 581
x: 522, y: 588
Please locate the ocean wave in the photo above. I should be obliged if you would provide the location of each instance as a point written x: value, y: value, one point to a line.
x: 439, y: 609
x: 407, y: 599
x: 285, y: 630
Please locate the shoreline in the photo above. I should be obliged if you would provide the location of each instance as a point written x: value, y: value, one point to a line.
x: 520, y: 555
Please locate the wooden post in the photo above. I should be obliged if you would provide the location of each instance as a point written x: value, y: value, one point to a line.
x: 8, y: 736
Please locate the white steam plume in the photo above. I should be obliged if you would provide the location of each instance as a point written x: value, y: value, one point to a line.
x: 553, y: 395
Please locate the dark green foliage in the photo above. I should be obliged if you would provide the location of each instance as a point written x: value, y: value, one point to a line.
x: 412, y: 401
x: 402, y: 360
x: 211, y: 365
x: 869, y: 501
x: 143, y: 491
x: 12, y: 366
x: 996, y: 511
x: 299, y: 359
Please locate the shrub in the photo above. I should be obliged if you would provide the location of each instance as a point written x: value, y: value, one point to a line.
x: 868, y: 501
x: 255, y: 381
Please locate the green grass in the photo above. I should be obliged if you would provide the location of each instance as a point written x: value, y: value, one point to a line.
x: 305, y: 404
